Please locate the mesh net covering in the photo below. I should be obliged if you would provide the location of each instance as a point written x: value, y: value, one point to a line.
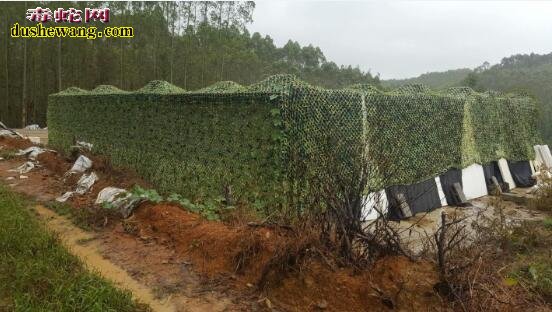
x: 268, y: 141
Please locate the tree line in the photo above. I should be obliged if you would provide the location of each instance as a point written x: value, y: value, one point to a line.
x: 190, y: 44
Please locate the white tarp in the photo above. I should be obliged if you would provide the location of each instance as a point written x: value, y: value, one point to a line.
x: 83, y: 185
x: 32, y: 127
x: 505, y: 172
x: 109, y: 194
x: 24, y: 168
x: 85, y: 145
x: 63, y: 198
x: 473, y: 181
x: 442, y: 196
x: 8, y: 133
x: 533, y: 167
x: 31, y: 152
x: 82, y: 164
x: 118, y: 198
x: 373, y: 203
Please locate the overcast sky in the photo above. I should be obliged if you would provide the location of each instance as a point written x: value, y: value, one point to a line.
x: 401, y: 39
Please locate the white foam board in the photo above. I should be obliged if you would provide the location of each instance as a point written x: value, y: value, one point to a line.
x: 533, y: 167
x: 374, y: 202
x: 473, y: 181
x: 538, y: 157
x: 505, y: 172
x: 442, y: 196
x: 546, y: 156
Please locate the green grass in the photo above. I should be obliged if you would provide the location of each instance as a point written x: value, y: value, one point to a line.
x: 38, y: 274
x: 548, y: 223
x: 8, y: 153
x: 533, y: 261
x: 79, y: 217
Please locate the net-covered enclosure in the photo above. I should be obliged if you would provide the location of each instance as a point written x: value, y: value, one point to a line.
x: 270, y: 140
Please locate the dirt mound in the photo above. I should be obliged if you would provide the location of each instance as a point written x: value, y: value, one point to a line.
x: 392, y: 283
x: 214, y: 248
x: 247, y: 254
x: 15, y: 143
x: 54, y: 162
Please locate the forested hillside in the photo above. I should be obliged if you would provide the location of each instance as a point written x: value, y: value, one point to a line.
x: 522, y: 73
x: 437, y: 80
x: 190, y: 44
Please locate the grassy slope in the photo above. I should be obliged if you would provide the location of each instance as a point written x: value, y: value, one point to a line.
x: 38, y: 274
x: 532, y: 258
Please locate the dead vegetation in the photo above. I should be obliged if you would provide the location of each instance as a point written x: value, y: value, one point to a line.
x: 477, y: 262
x: 543, y: 198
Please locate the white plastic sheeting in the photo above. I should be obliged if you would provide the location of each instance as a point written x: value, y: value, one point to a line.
x: 82, y: 164
x: 31, y: 152
x: 110, y: 194
x: 85, y: 145
x: 8, y: 133
x: 118, y: 198
x: 24, y: 168
x: 442, y: 196
x: 505, y: 172
x: 373, y: 203
x: 63, y: 198
x: 473, y: 181
x: 83, y: 185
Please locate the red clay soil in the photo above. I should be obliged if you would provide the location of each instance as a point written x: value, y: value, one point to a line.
x: 213, y: 248
x: 15, y: 143
x: 393, y: 283
x: 54, y: 162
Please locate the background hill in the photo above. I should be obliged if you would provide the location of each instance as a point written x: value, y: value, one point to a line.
x: 523, y: 73
x: 436, y: 80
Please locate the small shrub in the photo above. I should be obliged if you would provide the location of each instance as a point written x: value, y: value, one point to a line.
x: 538, y: 275
x: 147, y: 194
x: 210, y: 210
x: 547, y: 223
x: 543, y: 199
x: 8, y: 154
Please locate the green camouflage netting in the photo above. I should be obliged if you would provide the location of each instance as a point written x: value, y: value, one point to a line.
x: 271, y: 140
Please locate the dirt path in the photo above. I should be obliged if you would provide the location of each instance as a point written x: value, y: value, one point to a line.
x: 86, y: 246
x: 148, y: 272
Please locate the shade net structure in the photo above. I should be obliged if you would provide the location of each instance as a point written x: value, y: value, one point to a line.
x: 272, y: 141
